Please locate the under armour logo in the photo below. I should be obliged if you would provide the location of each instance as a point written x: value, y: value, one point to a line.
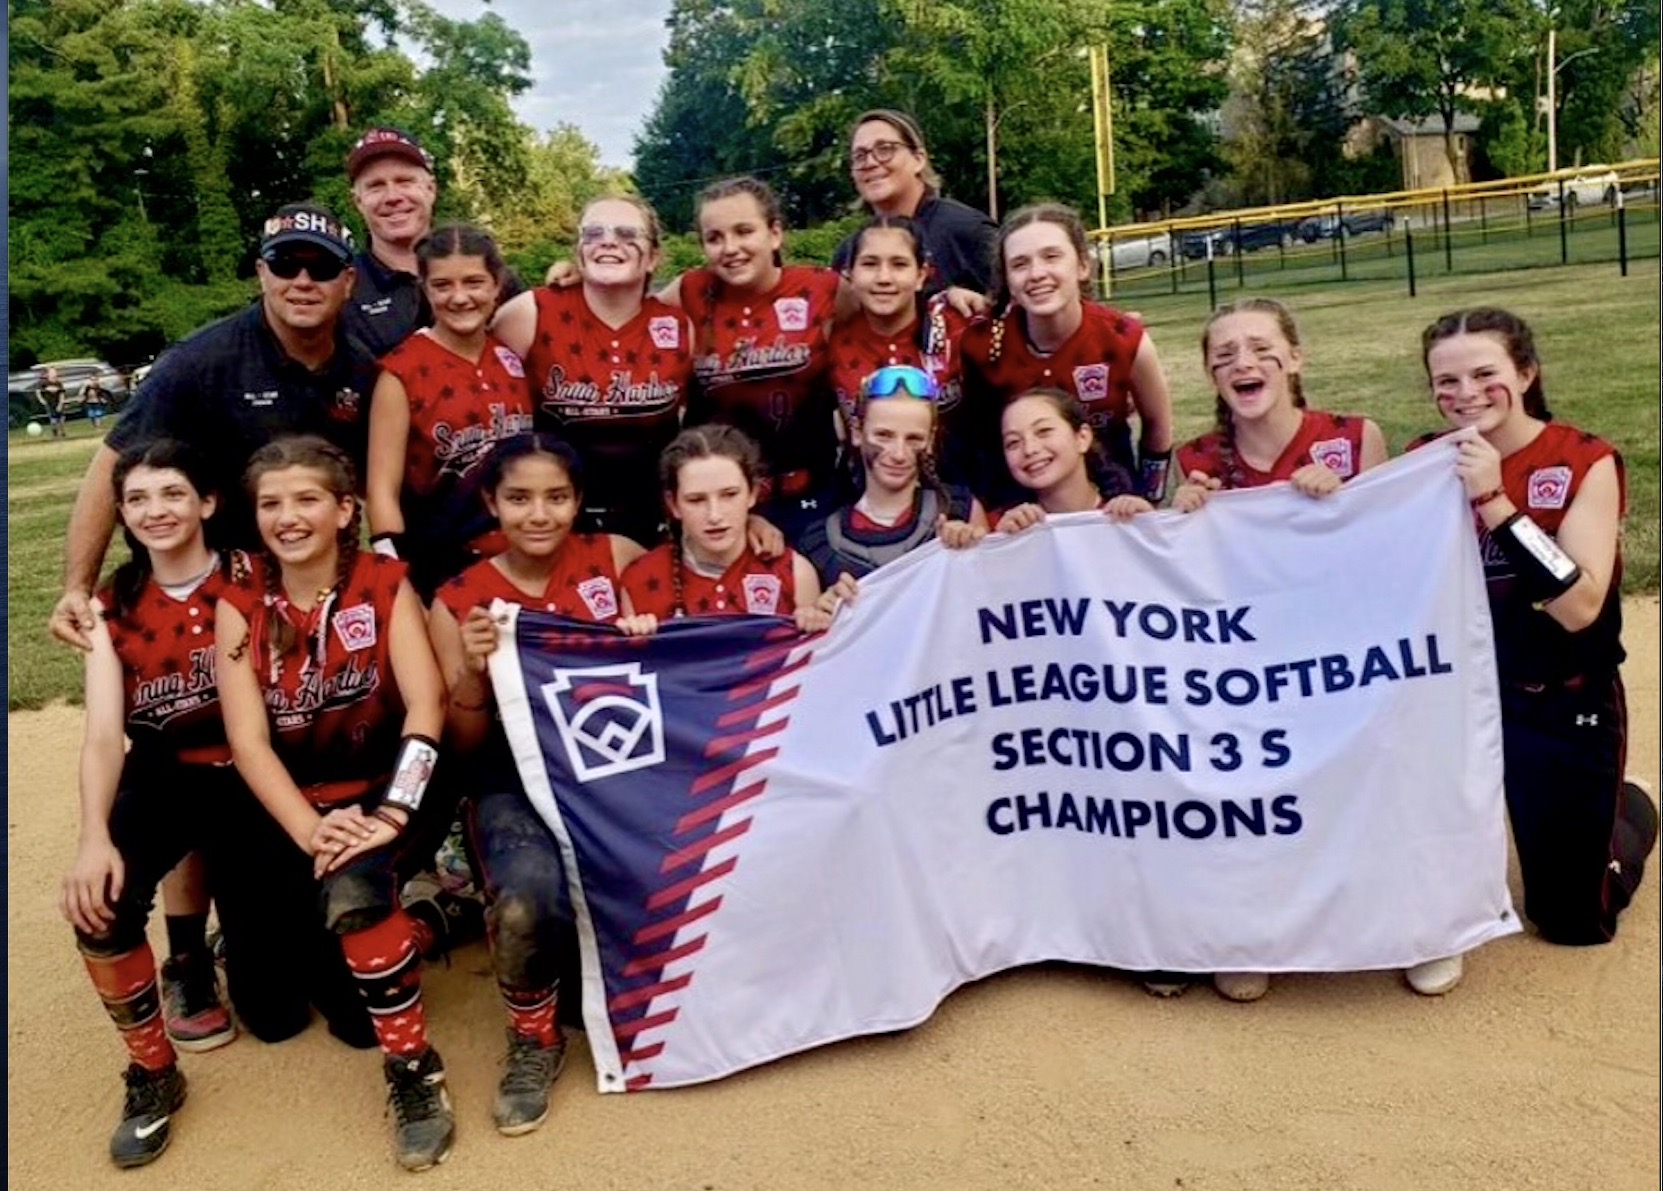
x: 1616, y: 866
x: 1586, y: 721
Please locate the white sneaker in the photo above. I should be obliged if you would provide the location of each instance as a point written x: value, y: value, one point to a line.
x: 1241, y: 986
x: 1437, y: 976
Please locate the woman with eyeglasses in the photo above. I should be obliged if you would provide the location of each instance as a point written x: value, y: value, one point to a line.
x: 893, y: 175
x: 445, y: 396
x: 610, y: 365
x: 903, y: 502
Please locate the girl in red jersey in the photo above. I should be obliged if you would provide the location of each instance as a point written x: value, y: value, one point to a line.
x: 1051, y: 452
x: 1549, y: 502
x: 333, y: 702
x: 893, y: 327
x: 761, y: 330
x: 610, y: 364
x: 1045, y: 334
x: 1265, y: 431
x: 534, y: 484
x: 150, y: 679
x: 903, y: 502
x: 1265, y: 435
x: 710, y: 476
x: 444, y: 396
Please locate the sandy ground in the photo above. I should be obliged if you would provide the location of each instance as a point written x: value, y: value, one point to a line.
x: 1541, y: 1071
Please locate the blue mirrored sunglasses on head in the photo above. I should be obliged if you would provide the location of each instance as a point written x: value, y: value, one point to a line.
x: 901, y: 378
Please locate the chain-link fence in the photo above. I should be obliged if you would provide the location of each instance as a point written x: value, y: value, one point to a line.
x: 1599, y: 214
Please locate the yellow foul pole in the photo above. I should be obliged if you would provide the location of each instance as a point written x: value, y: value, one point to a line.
x: 1102, y: 121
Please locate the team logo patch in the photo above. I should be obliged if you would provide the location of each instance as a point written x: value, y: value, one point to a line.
x: 792, y: 313
x: 665, y: 331
x: 1091, y: 382
x: 609, y: 719
x: 355, y: 626
x: 1549, y: 488
x: 600, y: 597
x: 1335, y: 455
x: 347, y: 401
x: 510, y: 362
x: 762, y: 594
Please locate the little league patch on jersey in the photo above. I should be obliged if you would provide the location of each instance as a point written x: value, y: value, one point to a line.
x: 600, y: 597
x: 1091, y: 382
x: 762, y: 594
x: 665, y: 331
x: 511, y: 362
x: 1549, y: 488
x: 355, y: 627
x: 792, y: 313
x: 1335, y: 455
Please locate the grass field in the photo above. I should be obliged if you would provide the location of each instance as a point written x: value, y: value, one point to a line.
x: 1598, y: 334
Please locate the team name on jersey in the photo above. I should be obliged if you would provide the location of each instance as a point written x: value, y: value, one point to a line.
x: 586, y: 398
x: 750, y: 361
x: 458, y: 449
x: 167, y: 696
x: 262, y: 399
x: 353, y: 683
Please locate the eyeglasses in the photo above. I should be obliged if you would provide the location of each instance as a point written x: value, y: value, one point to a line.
x: 882, y: 152
x: 596, y: 233
x: 319, y: 268
x: 886, y: 382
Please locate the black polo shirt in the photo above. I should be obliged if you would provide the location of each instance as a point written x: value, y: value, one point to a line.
x: 229, y: 389
x: 958, y: 240
x: 387, y: 304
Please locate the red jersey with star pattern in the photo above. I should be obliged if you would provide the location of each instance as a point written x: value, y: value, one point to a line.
x: 333, y: 703
x: 166, y: 649
x: 749, y: 587
x: 583, y: 584
x: 761, y: 363
x: 1333, y: 440
x: 1542, y: 479
x: 1094, y: 363
x: 857, y: 351
x: 616, y: 394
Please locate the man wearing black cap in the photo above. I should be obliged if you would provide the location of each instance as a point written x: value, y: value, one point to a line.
x: 282, y: 366
x: 394, y: 189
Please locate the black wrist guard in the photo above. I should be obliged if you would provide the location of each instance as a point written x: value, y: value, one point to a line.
x: 417, y: 756
x: 1152, y: 471
x: 1545, y: 571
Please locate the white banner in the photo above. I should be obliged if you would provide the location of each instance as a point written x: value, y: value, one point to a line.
x: 1262, y: 737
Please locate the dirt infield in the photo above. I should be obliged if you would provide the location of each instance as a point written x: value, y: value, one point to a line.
x: 1540, y: 1071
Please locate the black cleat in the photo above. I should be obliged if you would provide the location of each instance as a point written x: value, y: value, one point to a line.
x: 152, y: 1099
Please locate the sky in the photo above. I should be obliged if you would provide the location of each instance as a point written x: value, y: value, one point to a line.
x: 599, y: 74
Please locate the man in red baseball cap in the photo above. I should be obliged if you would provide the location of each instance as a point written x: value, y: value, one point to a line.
x: 394, y: 189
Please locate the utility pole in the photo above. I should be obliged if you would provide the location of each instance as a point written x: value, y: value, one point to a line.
x: 1553, y: 110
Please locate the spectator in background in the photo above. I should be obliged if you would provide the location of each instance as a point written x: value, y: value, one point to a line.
x: 95, y: 400
x: 50, y: 393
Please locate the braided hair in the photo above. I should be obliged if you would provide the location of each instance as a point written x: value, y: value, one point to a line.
x: 1223, y: 419
x: 128, y: 582
x: 340, y: 479
x: 1515, y: 336
x: 712, y: 441
x: 1001, y: 301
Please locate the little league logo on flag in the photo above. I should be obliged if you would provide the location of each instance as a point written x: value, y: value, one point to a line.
x: 609, y: 719
x: 1214, y: 742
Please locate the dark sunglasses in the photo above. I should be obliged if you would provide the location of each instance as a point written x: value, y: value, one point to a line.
x: 288, y: 266
x: 896, y: 378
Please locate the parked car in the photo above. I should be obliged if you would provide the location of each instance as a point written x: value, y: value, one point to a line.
x: 1193, y: 244
x: 1326, y: 227
x: 1590, y: 185
x: 1137, y: 252
x: 22, y: 407
x: 1250, y: 237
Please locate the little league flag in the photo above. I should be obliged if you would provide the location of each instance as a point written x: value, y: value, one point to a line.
x: 1261, y: 737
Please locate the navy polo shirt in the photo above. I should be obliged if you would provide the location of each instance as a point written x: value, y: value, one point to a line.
x: 958, y: 241
x: 387, y: 304
x: 229, y: 389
